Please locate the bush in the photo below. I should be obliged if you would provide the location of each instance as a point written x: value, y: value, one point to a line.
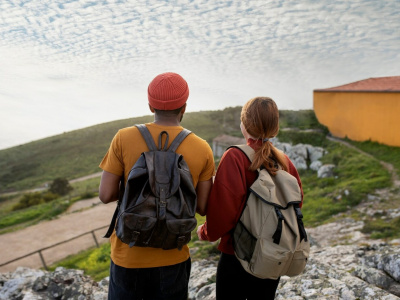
x: 60, y: 186
x: 32, y: 199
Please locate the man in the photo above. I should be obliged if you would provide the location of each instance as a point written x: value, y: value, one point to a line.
x: 144, y: 272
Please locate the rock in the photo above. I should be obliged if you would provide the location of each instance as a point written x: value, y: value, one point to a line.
x: 285, y: 147
x: 315, y: 165
x: 21, y: 279
x: 315, y: 153
x: 202, y: 274
x: 300, y: 163
x: 301, y: 154
x: 391, y: 265
x: 30, y: 284
x: 299, y: 150
x: 326, y: 171
x: 378, y: 278
x: 206, y: 292
x: 333, y: 271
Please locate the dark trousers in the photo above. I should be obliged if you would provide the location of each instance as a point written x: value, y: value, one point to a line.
x: 161, y: 283
x: 234, y: 283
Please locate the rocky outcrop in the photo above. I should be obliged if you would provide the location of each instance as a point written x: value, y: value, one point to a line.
x: 381, y: 268
x: 344, y: 264
x: 305, y: 156
x: 347, y: 272
x: 28, y: 284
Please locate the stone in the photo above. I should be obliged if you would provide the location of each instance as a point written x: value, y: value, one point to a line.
x: 315, y: 165
x: 326, y: 171
x: 203, y: 273
x: 206, y: 292
x: 300, y: 163
x: 315, y: 153
x: 391, y: 265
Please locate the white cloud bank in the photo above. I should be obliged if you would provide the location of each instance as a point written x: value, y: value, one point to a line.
x: 67, y: 64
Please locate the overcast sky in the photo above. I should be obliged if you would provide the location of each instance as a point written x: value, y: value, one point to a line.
x: 68, y: 64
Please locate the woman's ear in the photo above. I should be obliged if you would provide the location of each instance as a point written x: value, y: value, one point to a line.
x: 151, y: 109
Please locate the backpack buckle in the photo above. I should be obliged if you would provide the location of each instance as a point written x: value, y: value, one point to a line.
x: 181, y: 242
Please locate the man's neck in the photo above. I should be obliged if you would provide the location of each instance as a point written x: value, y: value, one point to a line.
x: 166, y: 121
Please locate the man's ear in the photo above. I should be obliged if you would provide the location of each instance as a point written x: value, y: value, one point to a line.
x: 183, y: 109
x: 151, y: 108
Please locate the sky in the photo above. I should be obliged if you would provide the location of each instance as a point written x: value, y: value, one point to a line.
x: 69, y: 64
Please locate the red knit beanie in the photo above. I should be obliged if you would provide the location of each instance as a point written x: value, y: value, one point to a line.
x: 168, y: 91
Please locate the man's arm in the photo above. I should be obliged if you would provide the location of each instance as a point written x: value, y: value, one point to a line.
x: 109, y: 187
x: 203, y: 190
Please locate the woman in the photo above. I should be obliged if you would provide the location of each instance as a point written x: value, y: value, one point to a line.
x: 235, y: 174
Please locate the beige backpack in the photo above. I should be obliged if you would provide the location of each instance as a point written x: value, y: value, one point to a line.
x: 270, y: 240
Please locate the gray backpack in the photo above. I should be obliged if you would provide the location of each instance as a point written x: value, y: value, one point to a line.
x: 158, y: 207
x: 270, y: 240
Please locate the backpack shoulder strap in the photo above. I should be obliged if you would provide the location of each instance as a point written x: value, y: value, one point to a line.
x: 246, y: 149
x: 178, y: 140
x: 147, y: 137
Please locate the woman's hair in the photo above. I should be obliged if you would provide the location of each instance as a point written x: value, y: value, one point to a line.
x: 260, y: 118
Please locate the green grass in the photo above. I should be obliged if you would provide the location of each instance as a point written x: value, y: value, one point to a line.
x: 301, y: 119
x: 381, y: 152
x: 354, y: 172
x: 379, y: 228
x: 15, y: 220
x: 88, y: 187
x: 95, y: 262
x: 316, y: 138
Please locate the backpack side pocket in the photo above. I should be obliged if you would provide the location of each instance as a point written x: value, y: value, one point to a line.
x: 244, y: 242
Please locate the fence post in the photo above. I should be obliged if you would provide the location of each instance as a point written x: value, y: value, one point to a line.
x: 43, y: 262
x: 95, y: 240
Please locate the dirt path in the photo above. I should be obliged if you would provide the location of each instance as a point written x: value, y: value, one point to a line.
x: 42, y: 188
x: 83, y: 216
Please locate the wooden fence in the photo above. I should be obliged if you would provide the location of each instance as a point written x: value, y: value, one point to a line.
x: 40, y: 251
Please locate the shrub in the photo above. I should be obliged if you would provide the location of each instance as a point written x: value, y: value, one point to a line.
x: 32, y: 199
x: 60, y: 186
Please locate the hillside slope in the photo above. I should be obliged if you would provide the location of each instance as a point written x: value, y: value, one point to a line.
x: 78, y: 153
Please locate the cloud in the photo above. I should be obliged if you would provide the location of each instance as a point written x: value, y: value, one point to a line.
x: 229, y: 51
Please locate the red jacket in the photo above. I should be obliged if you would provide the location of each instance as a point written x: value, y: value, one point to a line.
x: 228, y: 196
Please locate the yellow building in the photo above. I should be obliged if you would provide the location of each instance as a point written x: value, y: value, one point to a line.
x: 364, y: 110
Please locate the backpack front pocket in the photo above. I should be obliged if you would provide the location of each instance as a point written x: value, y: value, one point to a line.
x: 134, y: 229
x: 299, y: 261
x: 271, y: 260
x: 178, y: 233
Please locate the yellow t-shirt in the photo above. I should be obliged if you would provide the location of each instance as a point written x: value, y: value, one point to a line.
x: 125, y: 149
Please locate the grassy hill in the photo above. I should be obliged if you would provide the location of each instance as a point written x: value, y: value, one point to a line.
x: 78, y: 153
